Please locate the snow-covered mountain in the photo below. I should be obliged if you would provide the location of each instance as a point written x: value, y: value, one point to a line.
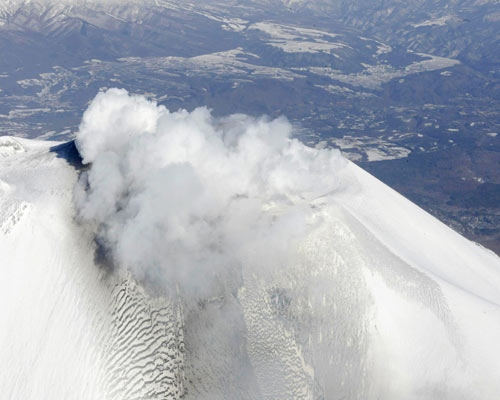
x: 466, y: 29
x: 323, y: 283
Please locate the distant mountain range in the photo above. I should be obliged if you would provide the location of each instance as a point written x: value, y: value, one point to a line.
x: 466, y: 30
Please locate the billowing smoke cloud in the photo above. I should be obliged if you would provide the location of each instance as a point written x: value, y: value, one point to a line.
x: 183, y: 197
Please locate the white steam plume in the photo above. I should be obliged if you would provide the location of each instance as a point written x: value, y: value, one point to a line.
x: 184, y: 197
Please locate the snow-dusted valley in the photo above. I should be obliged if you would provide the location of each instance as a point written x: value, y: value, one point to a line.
x: 222, y: 272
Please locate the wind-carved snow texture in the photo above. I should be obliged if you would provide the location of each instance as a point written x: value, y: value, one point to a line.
x: 12, y: 209
x: 240, y: 265
x: 143, y: 355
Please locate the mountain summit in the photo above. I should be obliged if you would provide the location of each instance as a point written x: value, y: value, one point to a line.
x: 199, y: 257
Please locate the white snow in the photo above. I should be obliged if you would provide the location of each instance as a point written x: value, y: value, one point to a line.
x: 64, y: 332
x: 375, y: 75
x: 289, y: 32
x: 377, y: 299
x: 231, y: 63
x: 440, y: 21
x: 375, y: 149
x: 51, y: 300
x: 9, y: 146
x: 295, y: 39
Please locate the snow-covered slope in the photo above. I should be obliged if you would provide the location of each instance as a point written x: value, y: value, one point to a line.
x: 67, y: 331
x: 378, y: 300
